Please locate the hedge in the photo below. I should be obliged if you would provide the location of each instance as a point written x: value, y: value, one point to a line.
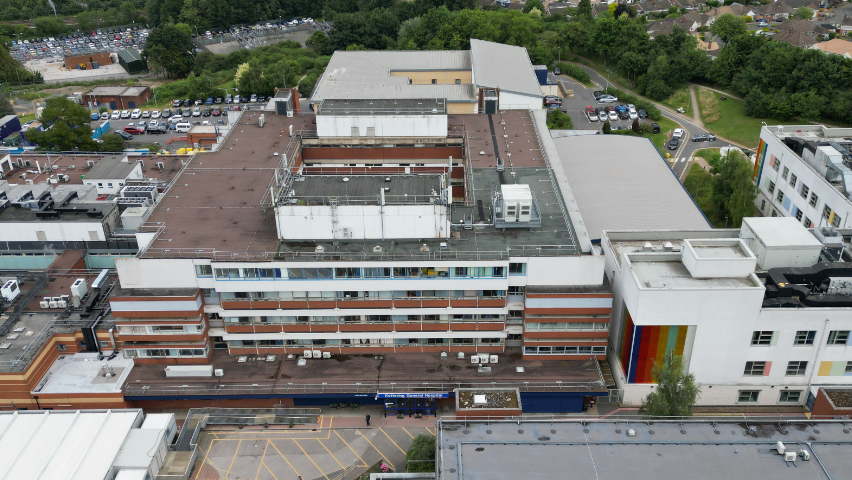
x: 653, y: 112
x: 575, y: 72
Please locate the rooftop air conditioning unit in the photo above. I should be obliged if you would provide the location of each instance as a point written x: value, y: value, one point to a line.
x: 62, y: 304
x: 90, y: 163
x: 791, y: 457
x: 53, y: 304
x: 317, y: 354
x: 461, y: 355
x: 806, y: 456
x: 326, y: 354
x: 161, y: 166
x: 483, y: 358
x: 780, y: 448
x: 474, y: 359
x: 492, y: 358
x: 44, y: 304
x: 219, y: 372
x: 307, y: 354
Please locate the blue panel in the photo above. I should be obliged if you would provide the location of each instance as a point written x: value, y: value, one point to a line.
x: 554, y: 402
x: 787, y: 203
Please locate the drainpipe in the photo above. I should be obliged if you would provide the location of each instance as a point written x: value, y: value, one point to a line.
x: 112, y: 339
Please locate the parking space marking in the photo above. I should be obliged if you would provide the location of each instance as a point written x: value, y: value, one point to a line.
x: 430, y: 431
x: 269, y: 470
x: 311, y: 459
x: 285, y: 458
x: 261, y: 460
x: 332, y: 455
x: 389, y: 438
x: 409, y: 433
x: 384, y: 457
x: 232, y: 460
x: 350, y: 448
x: 205, y: 458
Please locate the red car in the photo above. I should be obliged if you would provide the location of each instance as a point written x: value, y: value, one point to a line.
x: 134, y: 130
x: 217, y: 111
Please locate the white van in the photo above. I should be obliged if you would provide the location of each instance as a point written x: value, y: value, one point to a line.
x: 183, y: 127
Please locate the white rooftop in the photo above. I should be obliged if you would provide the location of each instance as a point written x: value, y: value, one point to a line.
x: 781, y: 232
x: 62, y: 444
x: 83, y: 373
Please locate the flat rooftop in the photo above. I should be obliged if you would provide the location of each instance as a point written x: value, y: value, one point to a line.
x: 692, y: 450
x: 221, y: 192
x: 405, y: 106
x: 365, y: 189
x: 781, y: 232
x: 671, y: 273
x: 343, y: 372
x: 39, y: 168
x: 84, y: 373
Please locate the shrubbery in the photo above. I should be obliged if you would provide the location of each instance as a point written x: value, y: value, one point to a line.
x: 624, y: 97
x: 575, y: 72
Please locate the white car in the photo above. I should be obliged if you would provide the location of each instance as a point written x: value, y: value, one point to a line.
x: 146, y: 114
x: 136, y: 114
x: 105, y: 116
x: 116, y: 114
x: 678, y: 132
x: 607, y: 99
x: 633, y: 114
x: 125, y: 114
x: 156, y: 114
x: 613, y: 116
x: 196, y: 112
x: 236, y: 99
x: 153, y: 123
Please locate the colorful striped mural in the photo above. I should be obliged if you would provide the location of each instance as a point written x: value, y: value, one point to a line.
x: 644, y: 345
x: 625, y: 340
x: 758, y: 165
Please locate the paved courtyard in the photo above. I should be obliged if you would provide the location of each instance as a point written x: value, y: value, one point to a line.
x: 321, y: 453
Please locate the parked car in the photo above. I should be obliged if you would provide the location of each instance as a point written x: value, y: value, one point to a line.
x: 228, y: 98
x: 123, y: 135
x: 704, y: 137
x: 209, y: 101
x: 598, y: 94
x: 136, y: 113
x: 134, y: 130
x: 253, y: 98
x: 206, y: 112
x: 607, y: 99
x: 125, y: 114
x: 655, y: 128
x: 261, y: 98
x: 176, y: 103
x: 642, y: 113
x: 95, y: 116
x: 592, y: 114
x: 186, y: 112
x: 116, y: 114
x: 678, y: 132
x: 155, y: 114
x: 552, y: 100
x: 613, y: 116
x: 673, y: 143
x: 105, y: 116
x: 166, y: 113
x: 218, y: 100
x: 217, y: 111
x: 146, y: 114
x: 142, y: 125
x: 157, y: 129
x: 196, y: 112
x: 557, y: 71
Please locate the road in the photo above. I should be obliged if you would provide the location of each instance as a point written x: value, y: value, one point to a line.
x: 680, y: 159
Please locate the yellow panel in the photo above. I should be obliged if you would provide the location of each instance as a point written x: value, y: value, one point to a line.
x: 824, y: 369
x: 440, y: 76
x: 461, y: 107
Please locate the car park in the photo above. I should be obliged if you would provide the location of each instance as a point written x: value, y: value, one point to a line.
x: 136, y: 113
x: 704, y: 137
x: 125, y: 114
x: 155, y: 114
x: 196, y: 112
x: 116, y: 114
x: 591, y: 114
x: 123, y: 134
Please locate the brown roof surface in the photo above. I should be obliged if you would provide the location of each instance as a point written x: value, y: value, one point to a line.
x: 836, y: 45
x: 795, y: 38
x: 76, y: 165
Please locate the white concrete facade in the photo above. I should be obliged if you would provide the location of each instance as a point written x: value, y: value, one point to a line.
x: 426, y: 125
x: 53, y: 231
x: 112, y: 186
x: 324, y: 222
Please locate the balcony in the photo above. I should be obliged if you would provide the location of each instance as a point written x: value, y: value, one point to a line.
x: 361, y: 302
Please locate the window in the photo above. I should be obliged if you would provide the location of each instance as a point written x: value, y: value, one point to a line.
x: 100, y: 184
x: 748, y: 396
x: 785, y: 173
x: 826, y: 212
x: 780, y: 196
x: 516, y: 290
x: 762, y: 338
x: 796, y: 368
x: 754, y: 368
x: 771, y: 188
x: 517, y: 268
x: 774, y: 213
x: 805, y: 190
x: 434, y: 81
x: 793, y: 179
x: 807, y: 222
x: 836, y: 222
x: 848, y: 367
x: 63, y: 348
x: 458, y: 81
x: 203, y: 271
x: 790, y: 396
x: 799, y: 215
x: 762, y: 205
x: 109, y: 184
x: 516, y: 313
x: 104, y: 343
x: 814, y: 199
x: 804, y: 337
x: 777, y: 166
x: 838, y: 337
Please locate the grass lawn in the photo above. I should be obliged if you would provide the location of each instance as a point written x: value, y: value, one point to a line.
x: 680, y: 99
x: 727, y: 119
x: 699, y: 184
x: 26, y: 118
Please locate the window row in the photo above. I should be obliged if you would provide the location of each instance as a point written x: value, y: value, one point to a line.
x: 581, y: 350
x: 354, y: 272
x: 566, y: 327
x: 786, y: 396
x: 795, y: 368
x: 356, y: 295
x: 334, y: 319
x: 802, y: 338
x: 166, y: 352
x: 388, y: 342
x: 159, y: 329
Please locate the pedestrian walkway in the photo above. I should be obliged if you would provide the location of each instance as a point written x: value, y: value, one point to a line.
x: 696, y: 114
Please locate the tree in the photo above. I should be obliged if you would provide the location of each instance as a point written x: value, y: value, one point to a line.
x: 584, y: 11
x: 733, y: 190
x: 559, y: 120
x: 185, y: 28
x: 319, y: 42
x: 111, y: 143
x: 249, y: 78
x: 170, y: 52
x: 68, y: 127
x: 533, y: 4
x: 676, y: 391
x: 728, y: 26
x: 420, y: 456
x: 5, y: 106
x: 804, y: 13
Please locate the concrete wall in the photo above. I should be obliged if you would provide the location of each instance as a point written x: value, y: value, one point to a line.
x: 382, y: 125
x: 53, y: 231
x: 440, y: 77
x: 515, y: 101
x: 296, y: 222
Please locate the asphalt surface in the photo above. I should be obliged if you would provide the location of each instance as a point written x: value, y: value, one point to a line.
x: 576, y: 107
x: 146, y: 138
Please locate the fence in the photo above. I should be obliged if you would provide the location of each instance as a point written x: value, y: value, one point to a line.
x: 260, y: 35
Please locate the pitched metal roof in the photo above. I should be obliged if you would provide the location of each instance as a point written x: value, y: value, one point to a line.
x: 504, y: 66
x: 111, y: 167
x: 451, y: 92
x: 365, y: 74
x: 644, y: 193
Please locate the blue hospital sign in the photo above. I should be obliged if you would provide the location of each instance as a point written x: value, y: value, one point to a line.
x: 414, y: 395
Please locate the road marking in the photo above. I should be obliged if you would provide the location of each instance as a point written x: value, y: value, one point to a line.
x: 430, y: 431
x: 353, y: 450
x: 389, y: 438
x: 409, y: 433
x: 261, y: 460
x: 683, y: 159
x: 311, y: 459
x: 232, y: 460
x: 285, y: 458
x: 205, y: 458
x: 332, y: 455
x: 269, y: 470
x: 385, y: 458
